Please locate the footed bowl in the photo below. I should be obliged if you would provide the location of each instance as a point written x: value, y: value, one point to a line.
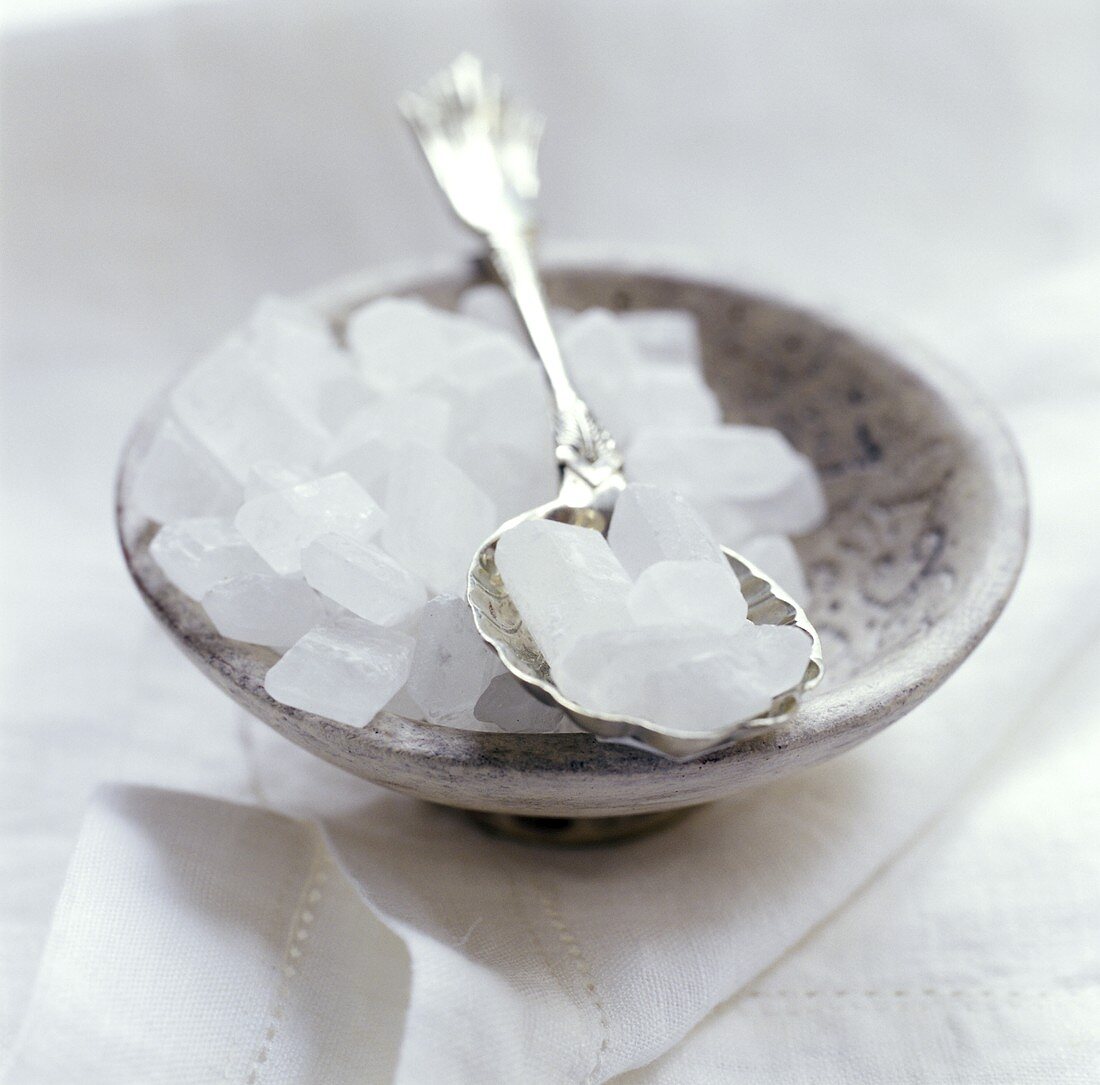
x: 924, y: 539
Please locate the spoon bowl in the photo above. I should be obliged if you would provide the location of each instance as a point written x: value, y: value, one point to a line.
x: 500, y: 625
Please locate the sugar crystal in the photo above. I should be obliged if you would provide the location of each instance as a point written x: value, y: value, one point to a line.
x: 401, y: 344
x: 475, y: 364
x: 684, y: 678
x: 776, y: 654
x: 402, y: 704
x: 369, y: 464
x: 267, y: 476
x: 508, y: 705
x: 403, y: 418
x: 438, y: 518
x: 605, y: 366
x: 346, y: 671
x: 362, y: 578
x: 511, y: 409
x: 261, y: 608
x: 565, y: 582
x: 491, y: 305
x: 452, y: 665
x: 670, y: 397
x: 177, y: 477
x: 651, y: 524
x: 195, y: 554
x: 231, y: 404
x: 669, y: 336
x: 515, y: 481
x: 750, y: 467
x: 280, y: 525
x: 302, y: 361
x: 702, y: 593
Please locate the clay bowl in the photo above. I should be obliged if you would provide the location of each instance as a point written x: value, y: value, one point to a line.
x: 924, y: 540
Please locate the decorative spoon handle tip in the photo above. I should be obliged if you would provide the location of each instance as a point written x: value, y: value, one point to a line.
x: 482, y: 148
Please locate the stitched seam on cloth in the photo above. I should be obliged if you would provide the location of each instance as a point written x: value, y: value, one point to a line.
x: 964, y: 793
x: 272, y: 930
x: 583, y: 968
x: 299, y: 931
x: 523, y: 909
x: 941, y: 1001
x: 872, y: 994
x: 528, y: 925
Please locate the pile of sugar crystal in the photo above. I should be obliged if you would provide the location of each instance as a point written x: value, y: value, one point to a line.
x: 323, y: 495
x: 649, y: 622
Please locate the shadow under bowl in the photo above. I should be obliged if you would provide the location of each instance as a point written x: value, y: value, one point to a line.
x: 924, y: 539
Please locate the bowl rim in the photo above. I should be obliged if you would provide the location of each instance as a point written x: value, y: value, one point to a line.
x: 396, y: 752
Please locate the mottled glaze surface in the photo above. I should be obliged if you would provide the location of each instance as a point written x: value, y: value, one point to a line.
x: 925, y: 536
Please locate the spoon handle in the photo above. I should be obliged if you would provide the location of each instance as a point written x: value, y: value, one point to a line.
x: 483, y: 151
x: 583, y: 445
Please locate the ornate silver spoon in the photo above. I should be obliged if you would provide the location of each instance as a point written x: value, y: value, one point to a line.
x: 482, y: 149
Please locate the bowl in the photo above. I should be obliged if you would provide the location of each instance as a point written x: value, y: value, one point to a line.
x: 924, y: 539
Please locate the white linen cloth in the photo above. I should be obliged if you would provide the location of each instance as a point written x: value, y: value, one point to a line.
x: 923, y: 909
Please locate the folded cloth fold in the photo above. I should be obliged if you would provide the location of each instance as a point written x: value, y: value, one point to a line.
x: 975, y: 957
x: 198, y: 940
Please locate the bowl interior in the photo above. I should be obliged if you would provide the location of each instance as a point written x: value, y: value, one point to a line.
x: 922, y: 545
x: 909, y: 506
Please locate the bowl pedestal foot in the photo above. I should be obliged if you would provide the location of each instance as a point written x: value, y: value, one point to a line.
x: 576, y: 832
